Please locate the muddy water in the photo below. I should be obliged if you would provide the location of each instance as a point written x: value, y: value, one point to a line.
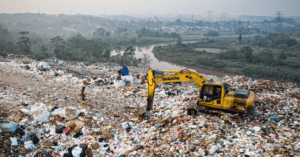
x: 161, y: 65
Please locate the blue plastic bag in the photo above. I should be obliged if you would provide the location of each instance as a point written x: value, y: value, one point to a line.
x: 274, y: 119
x: 125, y: 71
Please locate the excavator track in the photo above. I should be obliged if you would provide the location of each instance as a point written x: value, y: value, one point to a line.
x: 193, y: 108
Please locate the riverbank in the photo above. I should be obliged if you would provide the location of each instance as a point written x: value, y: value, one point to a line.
x: 214, y: 65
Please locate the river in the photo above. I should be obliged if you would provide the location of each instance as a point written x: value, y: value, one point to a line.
x: 161, y: 65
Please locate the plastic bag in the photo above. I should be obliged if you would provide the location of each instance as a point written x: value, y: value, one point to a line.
x: 119, y: 83
x: 42, y: 116
x: 28, y: 144
x: 80, y: 64
x: 60, y: 62
x: 256, y: 128
x: 9, y: 127
x: 274, y: 119
x: 14, y: 141
x: 76, y: 151
x: 213, y: 149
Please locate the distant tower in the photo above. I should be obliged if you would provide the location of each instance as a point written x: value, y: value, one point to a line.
x: 278, y: 20
x: 39, y: 10
x: 209, y: 15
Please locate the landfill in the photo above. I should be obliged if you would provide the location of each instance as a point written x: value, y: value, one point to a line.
x: 42, y: 114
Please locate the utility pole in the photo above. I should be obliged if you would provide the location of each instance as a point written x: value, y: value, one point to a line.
x: 278, y: 21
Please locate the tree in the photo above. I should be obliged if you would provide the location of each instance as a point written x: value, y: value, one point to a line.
x: 233, y: 54
x: 106, y: 53
x: 174, y: 35
x: 107, y: 34
x: 145, y: 61
x: 129, y: 51
x: 282, y: 56
x: 140, y: 35
x: 43, y: 49
x: 270, y: 44
x: 240, y: 38
x: 99, y: 32
x: 246, y: 52
x: 24, y: 42
x: 57, y: 46
x: 143, y: 30
x: 259, y: 41
x: 179, y: 42
x: 223, y: 47
x: 267, y: 56
x: 212, y: 33
x: 125, y: 30
x: 118, y: 30
x: 4, y: 34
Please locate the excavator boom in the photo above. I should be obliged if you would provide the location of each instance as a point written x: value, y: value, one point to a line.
x: 178, y: 76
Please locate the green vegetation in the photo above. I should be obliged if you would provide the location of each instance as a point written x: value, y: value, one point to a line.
x: 127, y: 58
x: 211, y: 33
x: 148, y: 33
x: 141, y: 37
x: 274, y: 40
x: 268, y: 63
x: 76, y: 48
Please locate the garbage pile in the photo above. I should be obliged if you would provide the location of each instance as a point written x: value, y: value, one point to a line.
x: 45, y: 116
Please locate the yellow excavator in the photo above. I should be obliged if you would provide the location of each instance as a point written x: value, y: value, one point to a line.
x: 213, y: 94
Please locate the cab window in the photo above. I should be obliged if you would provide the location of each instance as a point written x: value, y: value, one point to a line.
x: 208, y: 90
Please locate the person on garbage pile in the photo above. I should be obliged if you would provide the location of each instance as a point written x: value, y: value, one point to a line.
x: 82, y: 93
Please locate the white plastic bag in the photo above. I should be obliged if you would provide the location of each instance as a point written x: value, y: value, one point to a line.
x: 213, y: 149
x: 76, y: 151
x: 14, y: 141
x: 119, y: 83
x: 28, y: 144
x: 40, y: 112
x: 42, y: 116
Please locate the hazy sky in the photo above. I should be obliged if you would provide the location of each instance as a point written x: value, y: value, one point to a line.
x: 96, y: 7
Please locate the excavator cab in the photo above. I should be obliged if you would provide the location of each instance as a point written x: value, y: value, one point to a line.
x: 212, y: 94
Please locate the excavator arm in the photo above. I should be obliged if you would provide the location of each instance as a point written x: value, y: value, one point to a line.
x: 177, y: 76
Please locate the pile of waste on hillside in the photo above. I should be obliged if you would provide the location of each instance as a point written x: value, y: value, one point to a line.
x: 47, y: 117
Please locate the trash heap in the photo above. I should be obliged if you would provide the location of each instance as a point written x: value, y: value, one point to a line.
x: 45, y: 116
